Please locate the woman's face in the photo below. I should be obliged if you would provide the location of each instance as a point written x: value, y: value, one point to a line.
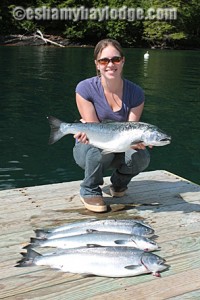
x: 110, y: 69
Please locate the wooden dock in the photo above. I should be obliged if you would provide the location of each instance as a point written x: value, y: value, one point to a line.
x: 170, y: 204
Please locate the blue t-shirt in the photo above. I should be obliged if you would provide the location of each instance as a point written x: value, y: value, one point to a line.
x: 91, y: 89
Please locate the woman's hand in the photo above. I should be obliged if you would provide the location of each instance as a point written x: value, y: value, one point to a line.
x: 81, y: 136
x: 140, y: 146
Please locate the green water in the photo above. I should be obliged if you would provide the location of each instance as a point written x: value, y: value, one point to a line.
x: 38, y: 81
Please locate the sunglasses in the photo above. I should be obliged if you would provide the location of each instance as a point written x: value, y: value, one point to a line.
x: 105, y: 61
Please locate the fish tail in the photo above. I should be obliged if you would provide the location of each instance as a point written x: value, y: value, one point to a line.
x: 27, y: 247
x: 28, y: 258
x: 55, y: 134
x: 40, y: 233
x: 34, y: 242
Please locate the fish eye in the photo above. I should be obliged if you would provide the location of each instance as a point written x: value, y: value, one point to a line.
x: 152, y: 242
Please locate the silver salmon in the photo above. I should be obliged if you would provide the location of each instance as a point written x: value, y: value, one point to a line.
x: 115, y: 226
x: 100, y: 261
x: 96, y: 222
x: 111, y: 136
x: 97, y: 238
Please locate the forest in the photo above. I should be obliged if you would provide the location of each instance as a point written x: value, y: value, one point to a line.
x: 182, y: 30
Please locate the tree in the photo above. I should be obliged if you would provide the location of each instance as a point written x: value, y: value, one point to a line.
x: 182, y: 30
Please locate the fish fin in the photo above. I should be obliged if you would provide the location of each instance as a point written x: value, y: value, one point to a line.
x: 120, y: 242
x: 55, y: 134
x: 28, y: 258
x: 131, y: 267
x: 93, y: 246
x: 91, y: 230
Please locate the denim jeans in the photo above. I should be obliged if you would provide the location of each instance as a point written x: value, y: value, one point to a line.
x: 126, y: 165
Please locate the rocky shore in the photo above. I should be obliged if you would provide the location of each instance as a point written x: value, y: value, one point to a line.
x: 36, y: 40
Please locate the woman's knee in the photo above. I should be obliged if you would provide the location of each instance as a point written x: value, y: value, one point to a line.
x: 94, y: 155
x: 86, y: 154
x: 143, y: 159
x: 80, y: 154
x: 138, y: 161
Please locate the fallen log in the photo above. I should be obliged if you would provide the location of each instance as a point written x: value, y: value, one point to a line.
x: 39, y: 35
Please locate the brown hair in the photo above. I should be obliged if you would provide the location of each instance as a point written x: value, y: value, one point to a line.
x: 104, y: 43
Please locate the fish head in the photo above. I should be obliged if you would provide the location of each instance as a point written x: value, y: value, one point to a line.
x: 155, y: 137
x: 153, y: 263
x: 144, y: 243
x: 142, y: 229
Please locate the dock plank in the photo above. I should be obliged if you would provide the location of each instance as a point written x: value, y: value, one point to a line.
x: 167, y: 202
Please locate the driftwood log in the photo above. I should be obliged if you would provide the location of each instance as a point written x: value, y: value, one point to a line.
x: 39, y: 35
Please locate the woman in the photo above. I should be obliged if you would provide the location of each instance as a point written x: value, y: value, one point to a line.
x: 108, y: 96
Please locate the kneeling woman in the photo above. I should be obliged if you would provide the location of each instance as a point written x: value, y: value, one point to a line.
x: 108, y: 96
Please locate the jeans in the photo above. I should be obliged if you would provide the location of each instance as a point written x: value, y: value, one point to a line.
x: 126, y: 165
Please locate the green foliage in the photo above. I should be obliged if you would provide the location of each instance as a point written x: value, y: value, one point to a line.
x: 150, y: 32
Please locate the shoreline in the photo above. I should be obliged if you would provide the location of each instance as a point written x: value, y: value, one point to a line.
x: 35, y: 40
x: 55, y: 41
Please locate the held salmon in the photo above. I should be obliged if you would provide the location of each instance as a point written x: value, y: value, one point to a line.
x: 111, y: 136
x: 100, y: 261
x: 134, y: 228
x: 97, y: 238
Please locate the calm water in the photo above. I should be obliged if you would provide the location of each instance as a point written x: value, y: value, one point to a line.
x: 38, y: 81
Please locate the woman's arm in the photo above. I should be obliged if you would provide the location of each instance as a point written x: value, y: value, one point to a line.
x: 86, y: 109
x: 88, y: 114
x: 135, y: 113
